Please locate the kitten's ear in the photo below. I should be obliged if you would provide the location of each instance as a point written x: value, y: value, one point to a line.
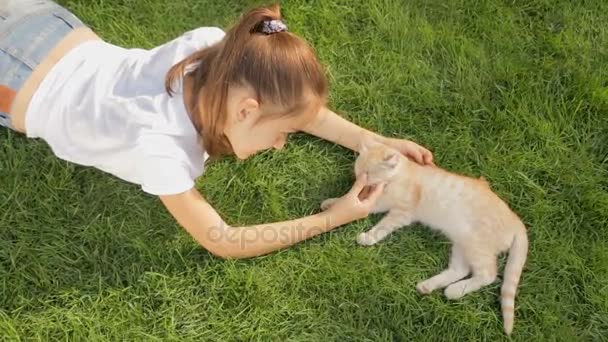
x: 391, y: 159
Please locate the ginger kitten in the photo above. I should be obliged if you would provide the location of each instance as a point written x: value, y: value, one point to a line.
x: 479, y: 224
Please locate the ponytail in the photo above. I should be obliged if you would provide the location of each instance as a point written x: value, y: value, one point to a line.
x: 259, y: 52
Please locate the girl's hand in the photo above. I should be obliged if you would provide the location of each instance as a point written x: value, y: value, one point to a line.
x: 412, y: 150
x: 357, y: 203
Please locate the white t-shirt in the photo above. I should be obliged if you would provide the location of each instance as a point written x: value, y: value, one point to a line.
x: 106, y: 106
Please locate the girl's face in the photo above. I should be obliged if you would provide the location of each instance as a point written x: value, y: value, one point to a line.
x: 252, y: 128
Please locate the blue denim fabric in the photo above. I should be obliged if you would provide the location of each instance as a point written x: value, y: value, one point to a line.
x: 29, y: 29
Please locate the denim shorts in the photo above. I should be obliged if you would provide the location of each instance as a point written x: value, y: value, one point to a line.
x: 29, y: 30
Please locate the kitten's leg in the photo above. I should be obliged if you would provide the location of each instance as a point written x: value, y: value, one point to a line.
x: 328, y: 203
x: 457, y: 269
x: 393, y: 220
x: 484, y: 273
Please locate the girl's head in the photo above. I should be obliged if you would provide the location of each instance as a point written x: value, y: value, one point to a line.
x: 252, y: 88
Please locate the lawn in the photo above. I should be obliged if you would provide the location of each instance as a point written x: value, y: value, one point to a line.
x: 516, y: 91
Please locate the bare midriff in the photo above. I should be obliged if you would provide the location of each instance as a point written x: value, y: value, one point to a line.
x: 25, y: 94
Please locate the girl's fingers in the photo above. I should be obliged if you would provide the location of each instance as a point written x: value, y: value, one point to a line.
x: 360, y: 183
x: 365, y: 192
x: 417, y: 155
x: 428, y: 157
x: 375, y: 193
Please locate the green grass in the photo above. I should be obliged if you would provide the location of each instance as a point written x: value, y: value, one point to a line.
x: 516, y: 91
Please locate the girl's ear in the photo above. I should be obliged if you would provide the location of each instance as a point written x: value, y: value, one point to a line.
x: 391, y: 160
x: 242, y: 115
x: 247, y: 109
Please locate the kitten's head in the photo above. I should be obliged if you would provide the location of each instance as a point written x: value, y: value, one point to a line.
x: 379, y: 161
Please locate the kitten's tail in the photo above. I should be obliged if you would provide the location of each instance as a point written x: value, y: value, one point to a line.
x: 515, y: 264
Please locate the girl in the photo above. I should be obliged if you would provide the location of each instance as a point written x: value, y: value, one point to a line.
x: 152, y: 117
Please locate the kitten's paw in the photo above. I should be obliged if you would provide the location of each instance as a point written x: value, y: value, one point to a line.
x: 365, y: 239
x: 424, y: 288
x: 454, y: 291
x: 328, y: 203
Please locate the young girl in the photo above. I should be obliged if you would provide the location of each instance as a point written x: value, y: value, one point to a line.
x: 152, y: 117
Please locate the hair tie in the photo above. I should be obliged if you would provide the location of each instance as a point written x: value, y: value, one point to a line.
x: 273, y: 26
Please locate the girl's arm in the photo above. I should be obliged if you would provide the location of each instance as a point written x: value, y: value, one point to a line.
x: 330, y: 126
x: 203, y: 222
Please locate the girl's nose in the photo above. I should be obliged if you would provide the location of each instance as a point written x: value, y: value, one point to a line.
x: 280, y: 143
